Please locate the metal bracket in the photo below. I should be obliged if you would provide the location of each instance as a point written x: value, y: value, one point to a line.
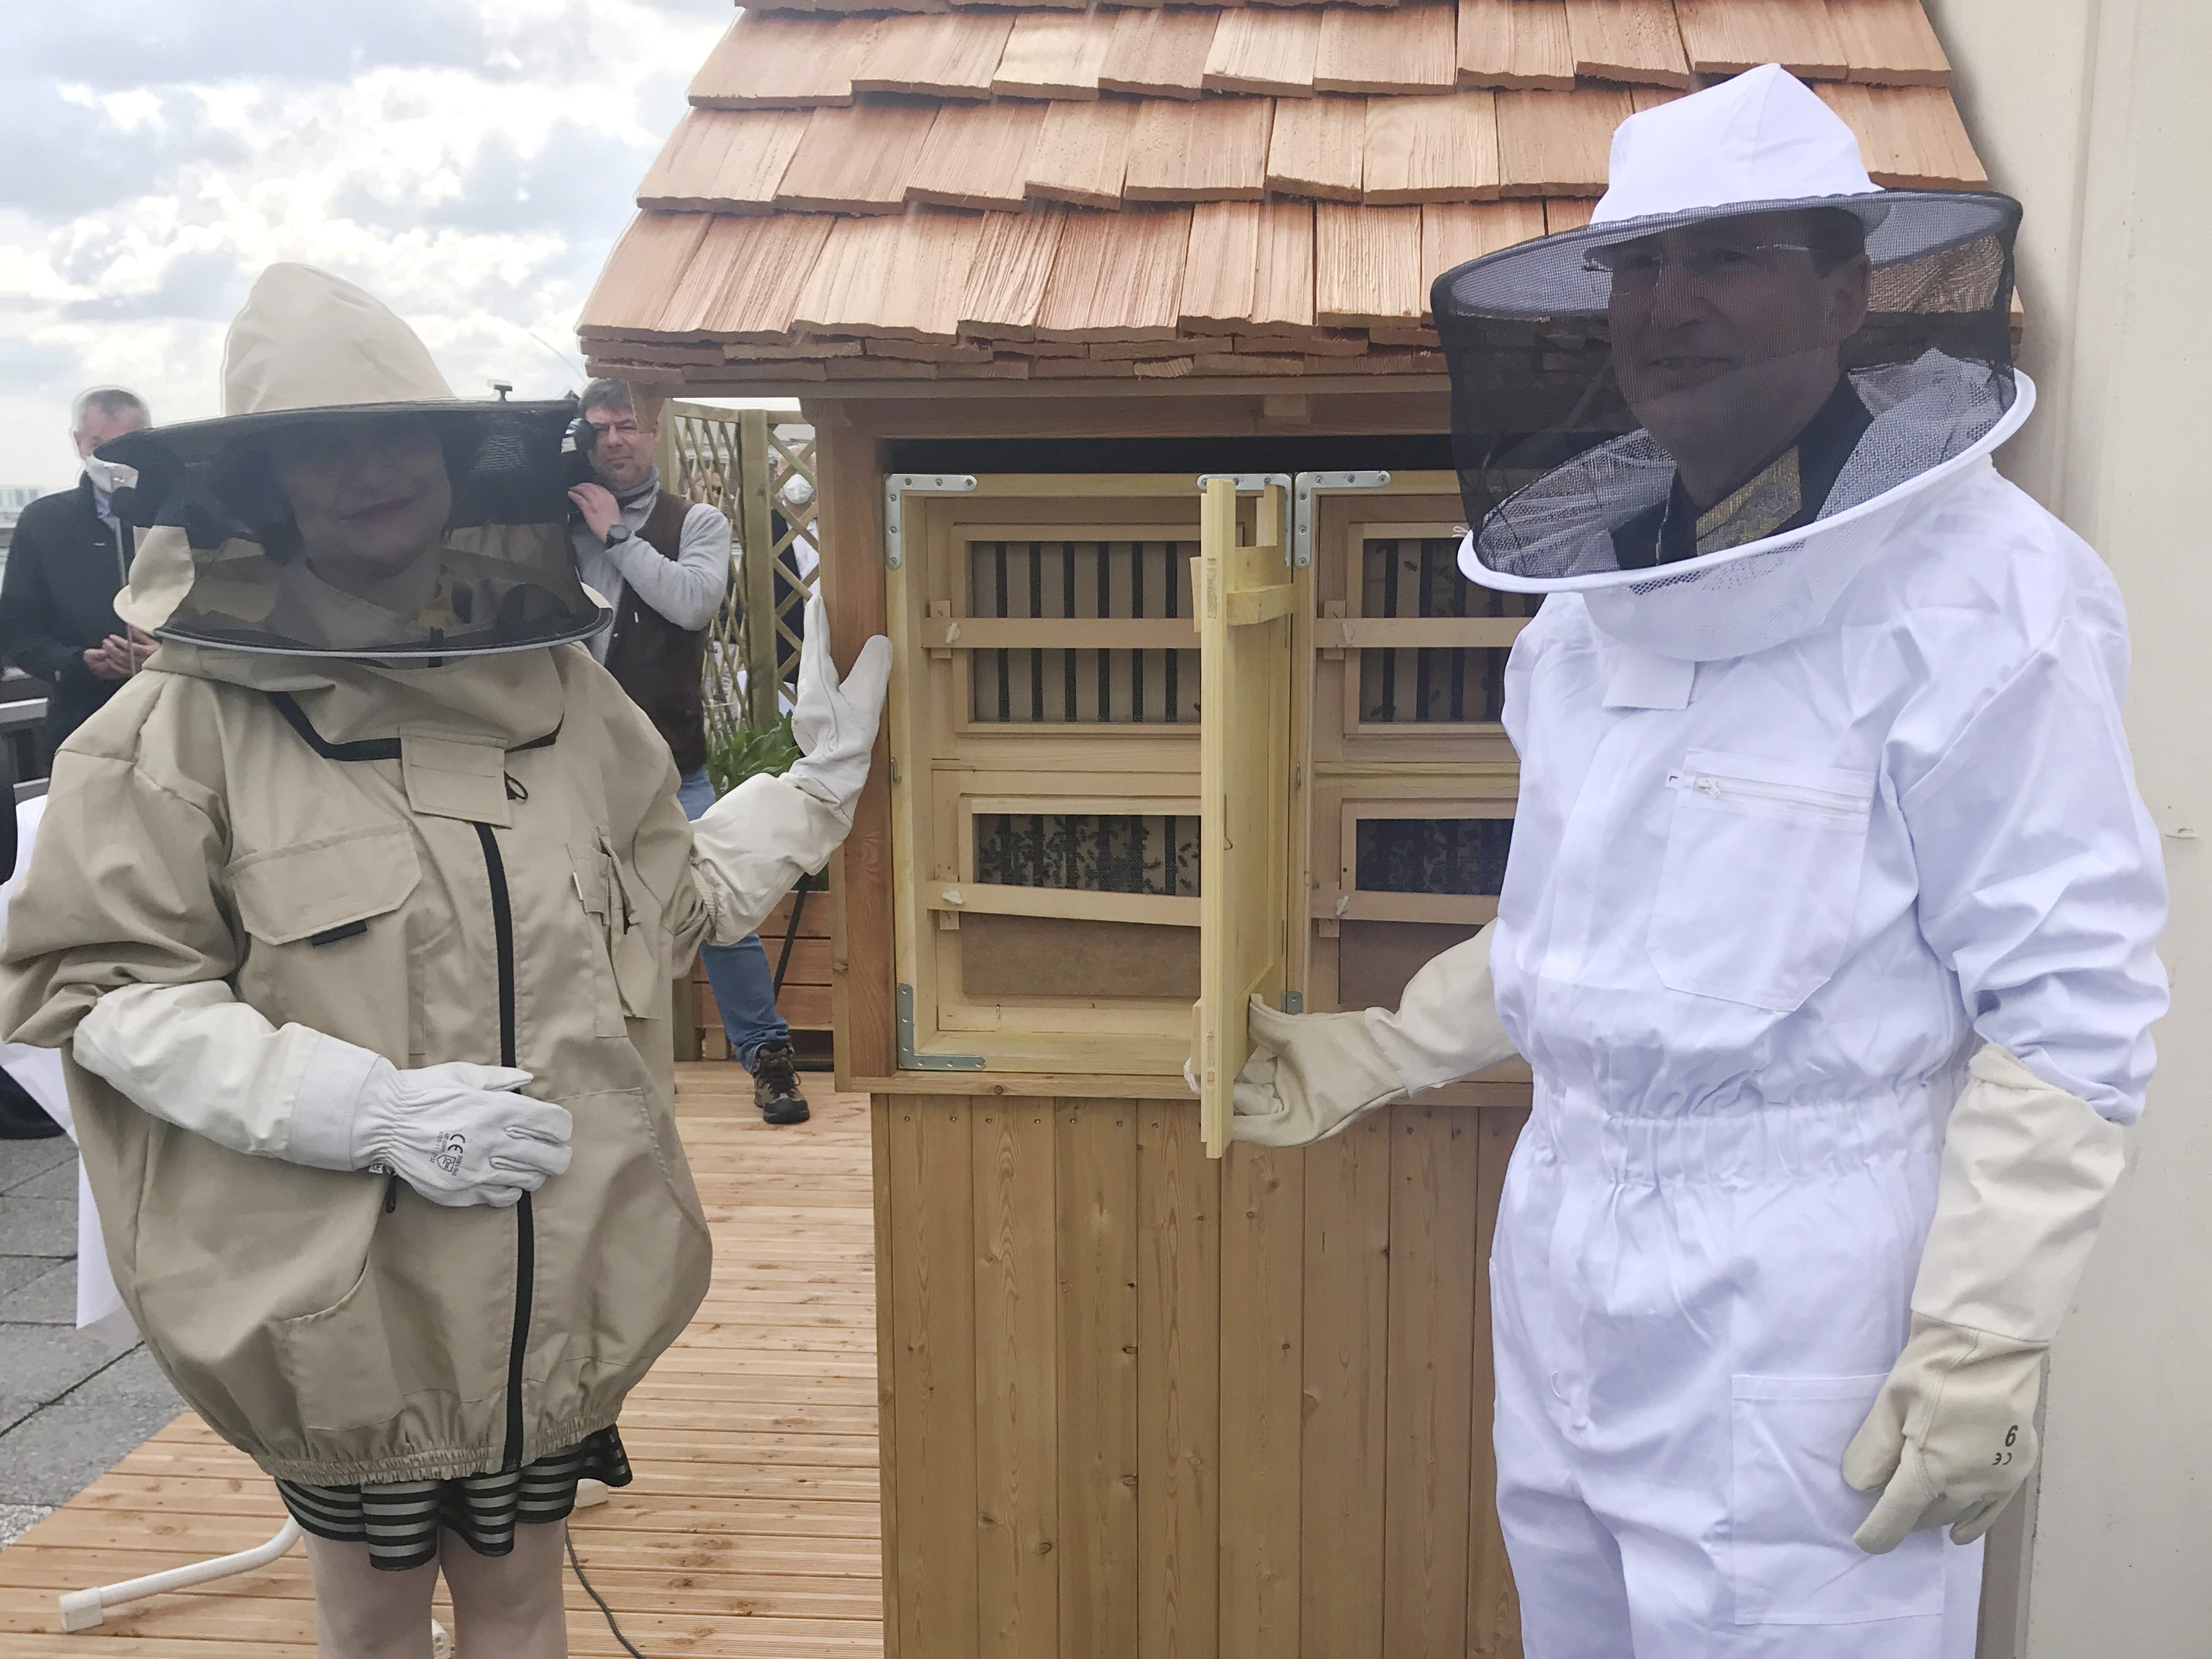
x: 1294, y: 1002
x: 1311, y: 484
x: 897, y: 485
x: 911, y: 1061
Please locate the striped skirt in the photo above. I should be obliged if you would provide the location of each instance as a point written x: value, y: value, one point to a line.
x: 400, y: 1520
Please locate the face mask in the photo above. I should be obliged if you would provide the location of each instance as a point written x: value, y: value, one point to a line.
x: 108, y: 476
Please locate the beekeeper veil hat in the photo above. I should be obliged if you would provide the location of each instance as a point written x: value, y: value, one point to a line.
x: 346, y: 503
x: 1749, y: 347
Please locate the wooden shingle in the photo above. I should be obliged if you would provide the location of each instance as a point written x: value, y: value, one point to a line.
x: 1438, y: 148
x: 1911, y: 137
x: 1283, y: 275
x: 1007, y: 278
x: 1082, y: 152
x: 744, y: 283
x: 905, y: 277
x: 1116, y: 277
x: 953, y: 55
x: 1220, y: 266
x: 1215, y: 150
x: 977, y: 156
x: 1514, y: 43
x: 1265, y: 49
x: 1889, y: 42
x: 1053, y: 54
x: 1634, y: 40
x: 1565, y: 213
x: 640, y: 274
x: 1454, y: 233
x: 1159, y: 54
x: 1557, y: 143
x: 1409, y: 48
x: 1367, y: 266
x: 725, y: 161
x: 778, y: 61
x: 1318, y: 147
x: 856, y: 159
x: 1726, y: 37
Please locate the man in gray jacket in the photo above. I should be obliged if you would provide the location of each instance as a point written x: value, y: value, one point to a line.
x: 664, y: 564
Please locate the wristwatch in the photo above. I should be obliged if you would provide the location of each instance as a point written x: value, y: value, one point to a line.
x: 615, y: 536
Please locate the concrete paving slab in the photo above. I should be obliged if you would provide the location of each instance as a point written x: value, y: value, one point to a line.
x: 52, y: 1455
x: 22, y: 1160
x: 133, y: 1379
x: 48, y: 1299
x: 37, y: 1226
x: 17, y: 1271
x: 16, y: 1519
x: 41, y: 1363
x: 60, y: 1182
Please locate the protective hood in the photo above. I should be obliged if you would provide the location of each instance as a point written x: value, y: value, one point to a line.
x: 1749, y: 348
x: 346, y: 503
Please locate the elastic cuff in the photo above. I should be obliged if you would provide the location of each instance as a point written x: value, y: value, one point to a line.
x: 325, y: 1102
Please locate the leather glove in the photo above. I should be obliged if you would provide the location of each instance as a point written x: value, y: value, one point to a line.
x: 2027, y: 1169
x: 1310, y: 1076
x: 458, y: 1133
x: 834, y: 722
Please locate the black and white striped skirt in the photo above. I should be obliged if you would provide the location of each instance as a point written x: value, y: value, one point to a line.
x: 400, y: 1520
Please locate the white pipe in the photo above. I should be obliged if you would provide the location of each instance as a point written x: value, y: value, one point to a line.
x: 84, y: 1609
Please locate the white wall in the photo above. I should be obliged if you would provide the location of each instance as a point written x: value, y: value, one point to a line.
x: 2098, y: 115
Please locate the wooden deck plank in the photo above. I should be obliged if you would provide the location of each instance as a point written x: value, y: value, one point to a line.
x: 1890, y: 42
x: 1437, y: 148
x: 752, y: 1528
x: 1054, y: 54
x: 1400, y: 49
x: 1514, y: 43
x: 771, y: 61
x: 1726, y: 37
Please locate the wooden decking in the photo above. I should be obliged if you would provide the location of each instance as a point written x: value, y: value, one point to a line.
x: 752, y: 1529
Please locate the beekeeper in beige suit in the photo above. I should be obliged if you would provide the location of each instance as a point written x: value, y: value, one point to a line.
x: 354, y: 918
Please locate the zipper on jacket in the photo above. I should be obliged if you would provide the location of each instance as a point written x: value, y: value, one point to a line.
x: 1827, y: 802
x: 502, y: 923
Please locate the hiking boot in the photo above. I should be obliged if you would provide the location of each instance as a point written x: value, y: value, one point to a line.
x: 775, y: 1084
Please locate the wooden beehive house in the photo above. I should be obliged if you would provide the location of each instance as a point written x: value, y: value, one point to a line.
x: 1033, y: 272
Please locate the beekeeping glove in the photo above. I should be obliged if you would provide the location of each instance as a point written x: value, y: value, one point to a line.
x: 1311, y: 1075
x: 195, y: 1056
x: 835, y: 722
x: 2026, y: 1171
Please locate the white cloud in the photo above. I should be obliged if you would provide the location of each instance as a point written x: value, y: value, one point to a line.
x: 469, y: 162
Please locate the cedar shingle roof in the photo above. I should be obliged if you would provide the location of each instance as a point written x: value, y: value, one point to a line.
x: 951, y: 191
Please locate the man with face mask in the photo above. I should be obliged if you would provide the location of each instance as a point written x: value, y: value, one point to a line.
x: 663, y: 563
x: 69, y: 560
x: 1828, y: 931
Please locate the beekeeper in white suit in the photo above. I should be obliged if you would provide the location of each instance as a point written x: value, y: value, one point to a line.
x: 1828, y: 931
x: 353, y: 917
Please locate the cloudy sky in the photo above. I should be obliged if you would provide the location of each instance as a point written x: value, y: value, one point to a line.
x: 469, y: 162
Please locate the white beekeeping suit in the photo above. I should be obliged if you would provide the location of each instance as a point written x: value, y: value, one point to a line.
x: 1829, y: 927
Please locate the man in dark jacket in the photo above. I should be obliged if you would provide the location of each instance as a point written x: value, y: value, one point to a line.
x: 67, y: 563
x: 663, y: 563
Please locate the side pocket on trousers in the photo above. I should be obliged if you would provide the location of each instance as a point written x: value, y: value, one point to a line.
x: 1792, y: 1560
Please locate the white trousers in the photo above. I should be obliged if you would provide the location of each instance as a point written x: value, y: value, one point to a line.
x: 1691, y: 1317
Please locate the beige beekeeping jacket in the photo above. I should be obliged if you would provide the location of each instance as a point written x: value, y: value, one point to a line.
x: 483, y: 862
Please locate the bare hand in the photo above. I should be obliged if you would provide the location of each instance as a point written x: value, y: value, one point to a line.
x: 110, y: 658
x: 143, y: 645
x: 602, y: 512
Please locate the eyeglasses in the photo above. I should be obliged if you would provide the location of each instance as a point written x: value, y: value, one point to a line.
x: 1638, y: 271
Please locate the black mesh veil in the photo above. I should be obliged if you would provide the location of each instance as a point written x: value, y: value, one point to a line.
x: 460, y: 515
x: 1648, y: 403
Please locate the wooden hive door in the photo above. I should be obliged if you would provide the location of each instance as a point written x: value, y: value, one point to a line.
x: 1245, y: 594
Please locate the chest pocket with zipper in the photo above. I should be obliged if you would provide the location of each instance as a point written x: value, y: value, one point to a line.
x: 327, y: 946
x: 1761, y: 878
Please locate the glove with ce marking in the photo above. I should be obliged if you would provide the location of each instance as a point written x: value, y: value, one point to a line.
x: 1312, y: 1075
x: 2027, y: 1170
x: 456, y: 1133
x: 195, y: 1056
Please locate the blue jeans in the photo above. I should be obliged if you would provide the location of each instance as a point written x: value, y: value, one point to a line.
x: 743, y: 983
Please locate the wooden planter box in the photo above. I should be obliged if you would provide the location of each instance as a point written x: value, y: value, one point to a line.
x: 803, y: 1000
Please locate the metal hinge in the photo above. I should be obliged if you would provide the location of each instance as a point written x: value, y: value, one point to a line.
x: 898, y: 484
x: 1294, y: 1002
x: 1311, y: 484
x: 908, y: 1060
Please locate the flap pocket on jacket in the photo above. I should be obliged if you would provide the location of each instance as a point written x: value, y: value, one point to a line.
x: 290, y: 893
x: 1761, y: 880
x: 1792, y: 1517
x: 338, y: 1362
